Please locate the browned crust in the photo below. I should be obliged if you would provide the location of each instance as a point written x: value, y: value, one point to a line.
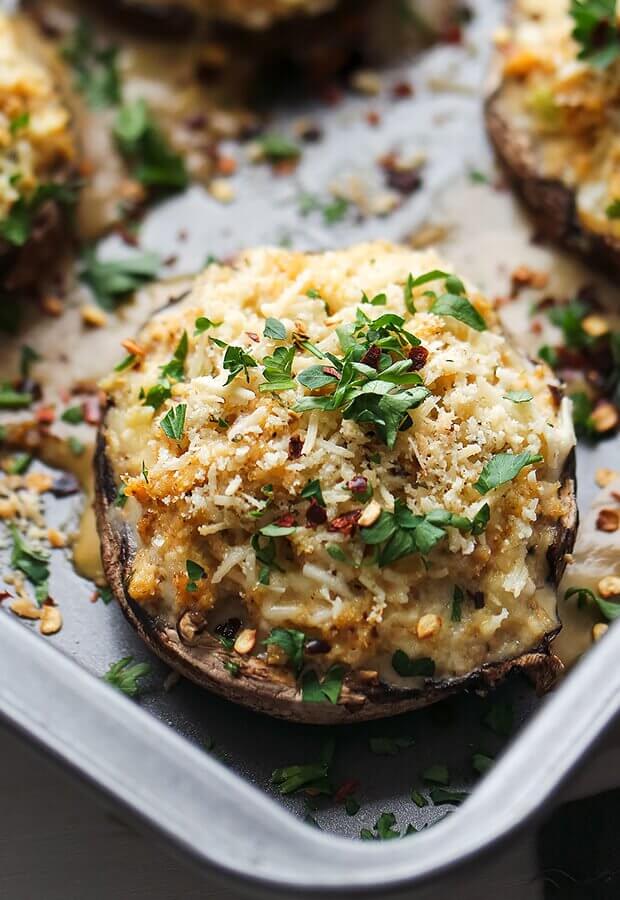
x: 552, y: 201
x: 271, y: 690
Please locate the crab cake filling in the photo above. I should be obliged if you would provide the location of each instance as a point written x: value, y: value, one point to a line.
x: 561, y: 71
x: 36, y: 140
x: 347, y: 446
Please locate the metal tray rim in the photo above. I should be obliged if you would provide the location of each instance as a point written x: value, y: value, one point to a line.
x: 124, y: 751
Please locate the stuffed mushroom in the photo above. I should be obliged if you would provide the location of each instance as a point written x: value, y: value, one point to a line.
x: 260, y: 14
x: 37, y: 156
x: 553, y: 119
x: 329, y: 487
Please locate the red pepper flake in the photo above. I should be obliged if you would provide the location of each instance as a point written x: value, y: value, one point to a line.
x: 329, y: 370
x: 294, y: 447
x: 226, y: 165
x: 316, y: 514
x: 346, y: 523
x: 45, y: 415
x: 418, y: 356
x: 401, y: 90
x: 373, y: 118
x: 372, y: 356
x: 358, y: 485
x: 253, y: 336
x: 4, y: 595
x: 286, y: 521
x: 91, y: 407
x: 346, y: 789
x: 452, y: 34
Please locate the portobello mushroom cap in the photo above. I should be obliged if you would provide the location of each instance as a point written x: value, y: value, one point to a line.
x: 257, y: 15
x: 146, y: 542
x: 561, y: 156
x: 38, y: 158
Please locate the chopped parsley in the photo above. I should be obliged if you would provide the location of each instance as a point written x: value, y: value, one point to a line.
x: 457, y: 603
x: 236, y: 360
x: 19, y: 463
x: 481, y: 763
x: 111, y: 281
x: 613, y: 210
x: 265, y: 551
x: 328, y: 688
x: 277, y: 148
x: 292, y: 642
x: 173, y: 422
x: 95, y: 68
x: 17, y: 224
x: 582, y: 415
x: 19, y: 122
x: 233, y: 668
x: 203, y: 324
x: 401, y: 533
x: 313, y: 776
x: 377, y: 300
x: 143, y: 144
x: 275, y: 530
x: 75, y: 446
x: 33, y: 563
x: 518, y: 396
x: 442, y: 796
x: 73, y: 415
x: 419, y: 799
x: 275, y: 329
x: 277, y: 370
x: 609, y: 608
x: 313, y: 490
x: 437, y: 774
x: 389, y: 746
x: 459, y: 307
x: 124, y: 675
x: 596, y: 31
x: 407, y: 667
x: 12, y: 399
x: 127, y: 363
x: 145, y: 472
x: 27, y: 357
x: 385, y: 829
x: 503, y: 467
x: 174, y: 370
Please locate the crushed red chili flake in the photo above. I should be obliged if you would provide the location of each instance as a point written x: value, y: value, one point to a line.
x: 91, y: 407
x: 329, y: 370
x: 45, y: 415
x: 253, y: 336
x: 373, y: 118
x: 418, y: 357
x: 402, y: 89
x: 316, y: 514
x: 294, y: 447
x: 372, y: 357
x: 346, y: 523
x: 346, y: 789
x: 286, y: 521
x: 452, y: 34
x: 358, y: 485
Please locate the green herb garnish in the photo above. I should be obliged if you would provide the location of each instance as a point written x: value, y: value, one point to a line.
x: 292, y: 642
x: 124, y: 675
x: 275, y: 329
x: 459, y: 307
x: 596, y: 31
x: 329, y: 688
x: 113, y: 280
x: 609, y: 608
x: 143, y: 144
x: 389, y: 746
x: 407, y: 667
x: 437, y: 774
x: 518, y: 396
x: 277, y: 148
x: 95, y: 68
x: 73, y: 415
x: 313, y: 490
x: 33, y: 563
x: 503, y: 467
x: 173, y: 422
x: 277, y: 370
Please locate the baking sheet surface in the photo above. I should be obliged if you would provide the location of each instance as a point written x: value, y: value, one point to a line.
x: 479, y: 227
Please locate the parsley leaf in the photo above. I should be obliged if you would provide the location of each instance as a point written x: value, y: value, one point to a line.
x: 173, y: 422
x: 437, y: 774
x: 518, y: 396
x: 481, y: 763
x: 442, y: 796
x: 609, y: 608
x: 276, y: 148
x: 313, y: 489
x: 143, y: 144
x: 275, y: 329
x: 329, y: 688
x: 314, y: 776
x: 112, y: 280
x: 503, y: 467
x: 12, y: 399
x: 457, y: 603
x: 596, y: 31
x: 459, y: 307
x: 73, y: 415
x: 236, y: 360
x: 292, y: 642
x: 124, y: 676
x: 194, y: 573
x: 28, y: 356
x: 407, y: 667
x: 389, y: 746
x: 203, y: 324
x: 613, y: 210
x: 95, y: 68
x: 17, y: 225
x: 33, y: 563
x: 277, y: 370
